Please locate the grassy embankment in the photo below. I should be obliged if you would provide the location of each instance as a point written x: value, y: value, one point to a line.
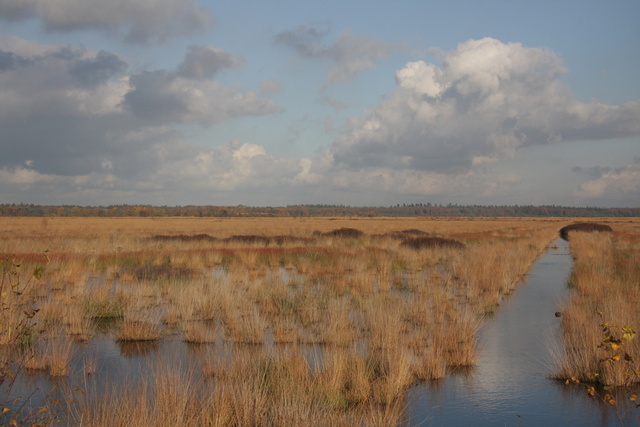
x: 601, y: 318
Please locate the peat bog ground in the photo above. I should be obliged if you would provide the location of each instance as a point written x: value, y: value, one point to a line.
x: 283, y: 321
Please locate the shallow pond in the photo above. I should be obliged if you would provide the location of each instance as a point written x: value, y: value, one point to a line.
x: 509, y: 385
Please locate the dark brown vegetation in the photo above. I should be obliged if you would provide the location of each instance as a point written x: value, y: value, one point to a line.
x: 587, y: 227
x: 242, y: 238
x: 432, y: 242
x: 344, y: 232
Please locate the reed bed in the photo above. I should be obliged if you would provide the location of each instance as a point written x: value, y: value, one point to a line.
x: 384, y: 302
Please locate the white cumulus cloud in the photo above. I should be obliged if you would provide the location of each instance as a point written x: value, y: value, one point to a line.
x: 484, y: 100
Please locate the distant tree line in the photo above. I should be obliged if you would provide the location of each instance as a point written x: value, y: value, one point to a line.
x: 404, y: 210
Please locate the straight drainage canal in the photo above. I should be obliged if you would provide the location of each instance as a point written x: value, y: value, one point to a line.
x: 510, y: 386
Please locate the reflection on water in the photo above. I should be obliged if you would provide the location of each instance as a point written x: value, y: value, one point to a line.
x: 510, y: 384
x: 137, y: 348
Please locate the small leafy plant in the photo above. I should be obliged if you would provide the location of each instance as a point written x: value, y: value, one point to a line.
x: 615, y: 343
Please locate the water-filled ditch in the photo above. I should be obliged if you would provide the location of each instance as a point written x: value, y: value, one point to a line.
x: 510, y: 384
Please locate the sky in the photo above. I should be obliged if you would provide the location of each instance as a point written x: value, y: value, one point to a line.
x: 196, y: 102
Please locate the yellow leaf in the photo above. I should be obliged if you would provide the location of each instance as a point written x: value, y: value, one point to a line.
x: 615, y: 358
x: 615, y: 346
x: 612, y: 402
x: 5, y: 410
x: 13, y: 422
x: 42, y: 410
x: 633, y: 397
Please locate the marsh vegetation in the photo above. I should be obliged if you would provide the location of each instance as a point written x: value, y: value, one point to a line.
x: 326, y: 321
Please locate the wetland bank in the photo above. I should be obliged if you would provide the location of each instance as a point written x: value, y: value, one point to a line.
x: 245, y: 321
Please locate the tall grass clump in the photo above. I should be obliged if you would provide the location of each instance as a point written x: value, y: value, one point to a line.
x: 59, y: 354
x: 601, y: 319
x: 139, y: 323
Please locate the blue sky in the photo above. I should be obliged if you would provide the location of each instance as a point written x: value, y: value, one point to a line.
x: 175, y: 102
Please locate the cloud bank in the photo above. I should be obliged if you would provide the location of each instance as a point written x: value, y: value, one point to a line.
x: 80, y: 127
x: 71, y: 111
